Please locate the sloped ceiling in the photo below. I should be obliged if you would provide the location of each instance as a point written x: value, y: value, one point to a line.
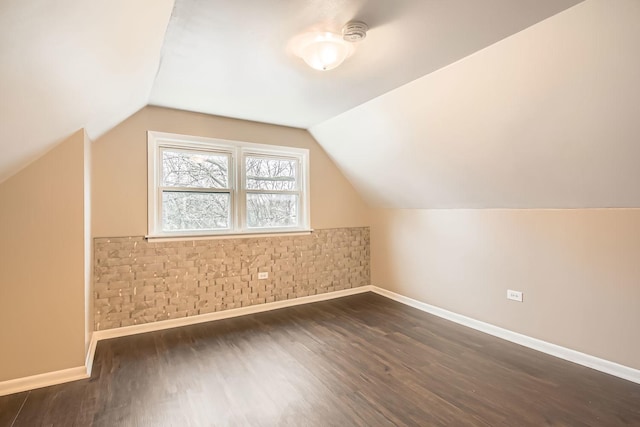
x: 69, y: 64
x: 547, y: 118
x: 230, y: 58
x: 73, y: 64
x: 509, y: 109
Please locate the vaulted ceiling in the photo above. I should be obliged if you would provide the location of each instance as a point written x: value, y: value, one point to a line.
x: 492, y: 103
x: 71, y: 64
x: 547, y: 118
x: 231, y: 58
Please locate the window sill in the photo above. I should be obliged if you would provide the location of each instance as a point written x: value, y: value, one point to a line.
x: 174, y: 238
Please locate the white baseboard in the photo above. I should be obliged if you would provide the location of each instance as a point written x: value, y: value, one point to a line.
x: 91, y: 352
x: 83, y: 372
x: 226, y: 314
x: 42, y: 380
x: 574, y: 356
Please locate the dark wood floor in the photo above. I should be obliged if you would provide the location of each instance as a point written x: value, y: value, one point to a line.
x: 361, y: 360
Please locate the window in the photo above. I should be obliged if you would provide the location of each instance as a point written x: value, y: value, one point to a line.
x: 203, y: 186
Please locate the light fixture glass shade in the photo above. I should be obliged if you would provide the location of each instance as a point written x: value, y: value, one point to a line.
x: 323, y: 51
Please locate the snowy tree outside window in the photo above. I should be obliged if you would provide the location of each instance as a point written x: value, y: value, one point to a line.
x: 201, y: 186
x: 271, y: 191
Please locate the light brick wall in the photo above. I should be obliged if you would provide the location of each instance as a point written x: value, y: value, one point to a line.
x: 137, y: 281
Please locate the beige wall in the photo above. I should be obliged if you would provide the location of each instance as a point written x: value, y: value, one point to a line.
x: 42, y: 250
x: 88, y: 247
x: 579, y: 271
x: 119, y: 167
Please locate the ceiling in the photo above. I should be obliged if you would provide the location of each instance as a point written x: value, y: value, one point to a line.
x: 547, y: 118
x: 446, y: 104
x: 231, y: 58
x: 72, y: 64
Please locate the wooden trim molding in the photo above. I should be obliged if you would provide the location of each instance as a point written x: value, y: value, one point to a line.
x: 564, y: 353
x: 83, y: 372
x: 225, y: 314
x: 43, y: 380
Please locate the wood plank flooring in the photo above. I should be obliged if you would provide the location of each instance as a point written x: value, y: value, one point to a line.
x: 362, y: 360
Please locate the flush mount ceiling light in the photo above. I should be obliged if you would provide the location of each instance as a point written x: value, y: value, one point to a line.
x: 325, y: 50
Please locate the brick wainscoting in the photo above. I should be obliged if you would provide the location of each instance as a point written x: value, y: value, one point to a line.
x: 137, y: 281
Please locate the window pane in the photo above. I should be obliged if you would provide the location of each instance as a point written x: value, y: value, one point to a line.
x: 272, y: 210
x: 271, y: 174
x: 195, y: 211
x: 198, y: 170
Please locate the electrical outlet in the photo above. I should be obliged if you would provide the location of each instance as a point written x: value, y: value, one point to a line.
x: 263, y: 275
x: 514, y: 295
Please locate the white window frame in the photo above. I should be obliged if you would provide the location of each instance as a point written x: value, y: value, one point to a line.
x: 237, y: 152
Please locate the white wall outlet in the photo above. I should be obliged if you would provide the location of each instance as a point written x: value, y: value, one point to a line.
x: 263, y: 275
x: 514, y: 295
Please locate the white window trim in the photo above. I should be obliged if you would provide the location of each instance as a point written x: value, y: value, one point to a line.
x: 237, y: 150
